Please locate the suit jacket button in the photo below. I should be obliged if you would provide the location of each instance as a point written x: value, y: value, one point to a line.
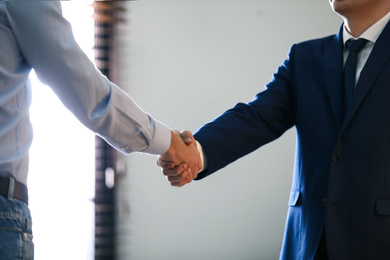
x: 337, y: 158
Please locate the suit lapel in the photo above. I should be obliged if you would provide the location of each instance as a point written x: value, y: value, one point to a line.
x: 333, y: 71
x: 378, y: 58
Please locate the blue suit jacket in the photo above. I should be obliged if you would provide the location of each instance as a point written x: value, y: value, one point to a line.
x: 341, y: 178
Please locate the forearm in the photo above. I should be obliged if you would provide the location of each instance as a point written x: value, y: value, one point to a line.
x: 46, y: 40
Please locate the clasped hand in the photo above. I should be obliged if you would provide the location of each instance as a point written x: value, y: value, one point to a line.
x: 181, y: 163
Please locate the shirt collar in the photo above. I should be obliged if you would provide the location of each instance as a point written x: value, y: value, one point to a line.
x: 372, y: 33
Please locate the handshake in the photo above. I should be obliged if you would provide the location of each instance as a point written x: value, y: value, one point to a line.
x: 182, y: 162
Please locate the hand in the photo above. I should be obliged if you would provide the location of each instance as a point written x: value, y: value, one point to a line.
x: 181, y: 163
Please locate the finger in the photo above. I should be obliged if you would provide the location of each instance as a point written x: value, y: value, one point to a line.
x: 187, y: 137
x: 179, y: 184
x: 178, y: 170
x: 194, y: 174
x: 176, y: 184
x: 189, y: 180
x: 178, y: 178
x: 183, y: 179
x: 189, y: 176
x: 164, y: 163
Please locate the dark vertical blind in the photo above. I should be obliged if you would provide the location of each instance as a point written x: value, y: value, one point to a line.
x: 106, y: 14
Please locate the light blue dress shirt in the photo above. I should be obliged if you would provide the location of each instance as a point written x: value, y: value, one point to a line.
x: 34, y: 34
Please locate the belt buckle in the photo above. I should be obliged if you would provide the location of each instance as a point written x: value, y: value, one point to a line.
x: 11, y: 188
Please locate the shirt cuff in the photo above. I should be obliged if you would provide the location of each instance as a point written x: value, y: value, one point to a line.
x: 203, y: 157
x: 161, y: 139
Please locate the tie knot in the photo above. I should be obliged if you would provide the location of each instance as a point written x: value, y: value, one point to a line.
x: 355, y: 45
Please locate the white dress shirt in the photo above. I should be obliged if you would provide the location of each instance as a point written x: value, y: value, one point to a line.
x: 371, y: 34
x: 34, y: 34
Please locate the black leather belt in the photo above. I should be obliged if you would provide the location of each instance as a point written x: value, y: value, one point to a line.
x: 20, y: 190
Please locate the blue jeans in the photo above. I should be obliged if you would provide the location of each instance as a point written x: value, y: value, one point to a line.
x: 15, y: 230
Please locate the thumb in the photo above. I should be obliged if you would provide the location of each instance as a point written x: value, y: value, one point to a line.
x: 187, y: 137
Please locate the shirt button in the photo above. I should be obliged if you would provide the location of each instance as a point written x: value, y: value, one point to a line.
x: 324, y: 202
x: 337, y: 158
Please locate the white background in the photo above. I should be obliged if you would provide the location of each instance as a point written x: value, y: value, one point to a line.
x: 186, y: 62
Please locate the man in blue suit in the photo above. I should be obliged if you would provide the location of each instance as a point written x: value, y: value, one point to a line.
x: 339, y: 206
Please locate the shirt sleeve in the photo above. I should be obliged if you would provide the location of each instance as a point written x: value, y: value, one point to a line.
x: 47, y: 43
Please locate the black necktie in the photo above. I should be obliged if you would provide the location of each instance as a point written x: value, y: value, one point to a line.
x: 354, y: 46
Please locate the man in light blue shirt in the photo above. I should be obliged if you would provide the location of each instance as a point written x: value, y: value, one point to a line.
x: 34, y: 35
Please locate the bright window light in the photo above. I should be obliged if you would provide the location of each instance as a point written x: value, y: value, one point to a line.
x: 61, y: 179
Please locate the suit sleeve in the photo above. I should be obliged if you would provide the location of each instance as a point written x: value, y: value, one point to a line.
x: 246, y: 127
x: 46, y: 42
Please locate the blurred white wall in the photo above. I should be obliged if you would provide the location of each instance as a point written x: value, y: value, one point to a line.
x: 186, y: 62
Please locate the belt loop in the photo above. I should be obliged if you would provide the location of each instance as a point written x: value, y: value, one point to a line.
x: 11, y: 188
